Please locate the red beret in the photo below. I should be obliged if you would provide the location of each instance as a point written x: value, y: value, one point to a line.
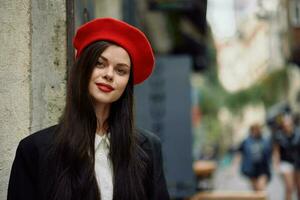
x: 122, y: 34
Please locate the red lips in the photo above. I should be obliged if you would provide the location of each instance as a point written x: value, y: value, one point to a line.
x: 104, y: 87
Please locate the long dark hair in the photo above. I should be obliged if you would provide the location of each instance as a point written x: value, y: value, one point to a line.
x: 73, y: 150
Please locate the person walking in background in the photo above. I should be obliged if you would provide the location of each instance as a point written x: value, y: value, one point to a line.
x: 296, y: 118
x: 95, y: 152
x: 286, y: 141
x: 254, y: 156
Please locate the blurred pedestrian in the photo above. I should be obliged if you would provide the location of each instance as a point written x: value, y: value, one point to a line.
x: 254, y: 155
x: 95, y: 152
x: 286, y: 140
x: 297, y: 156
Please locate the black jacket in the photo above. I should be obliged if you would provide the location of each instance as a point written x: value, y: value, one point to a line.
x: 30, y: 175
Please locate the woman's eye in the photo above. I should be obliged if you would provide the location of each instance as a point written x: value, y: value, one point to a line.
x: 99, y: 64
x: 121, y: 71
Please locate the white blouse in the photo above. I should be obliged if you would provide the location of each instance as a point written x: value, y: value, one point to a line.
x: 103, y: 167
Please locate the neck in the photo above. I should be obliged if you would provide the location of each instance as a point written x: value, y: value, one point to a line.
x: 102, y: 113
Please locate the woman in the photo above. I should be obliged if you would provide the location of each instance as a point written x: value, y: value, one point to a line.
x: 296, y: 118
x: 285, y: 154
x: 95, y: 152
x: 255, y: 153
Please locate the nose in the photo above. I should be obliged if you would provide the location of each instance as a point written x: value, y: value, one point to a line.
x: 109, y: 73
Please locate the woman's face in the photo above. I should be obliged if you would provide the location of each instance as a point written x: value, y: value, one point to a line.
x: 287, y: 125
x: 110, y: 75
x: 256, y: 131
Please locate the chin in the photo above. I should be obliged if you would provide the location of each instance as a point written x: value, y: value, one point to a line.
x: 106, y: 100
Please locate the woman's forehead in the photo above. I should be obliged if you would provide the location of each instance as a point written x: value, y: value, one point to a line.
x: 116, y: 53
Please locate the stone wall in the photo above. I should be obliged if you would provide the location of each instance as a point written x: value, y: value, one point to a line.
x: 33, y: 71
x: 15, y: 76
x: 48, y: 62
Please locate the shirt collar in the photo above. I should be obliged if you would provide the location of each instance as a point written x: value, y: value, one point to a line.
x: 101, y: 138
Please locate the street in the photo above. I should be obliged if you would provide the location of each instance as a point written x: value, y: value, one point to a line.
x: 225, y: 180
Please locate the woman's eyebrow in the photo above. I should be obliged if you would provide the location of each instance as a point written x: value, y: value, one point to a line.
x: 119, y: 64
x: 123, y: 65
x: 102, y: 57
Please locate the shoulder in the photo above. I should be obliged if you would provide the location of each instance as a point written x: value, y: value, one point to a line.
x: 243, y: 144
x: 147, y: 138
x: 297, y: 133
x: 32, y: 151
x: 279, y: 136
x: 150, y: 144
x: 39, y: 139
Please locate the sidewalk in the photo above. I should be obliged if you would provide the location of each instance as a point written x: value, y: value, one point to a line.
x: 224, y: 180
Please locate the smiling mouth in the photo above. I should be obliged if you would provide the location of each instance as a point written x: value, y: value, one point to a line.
x: 104, y: 87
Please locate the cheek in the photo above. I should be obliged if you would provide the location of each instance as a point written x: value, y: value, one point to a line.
x: 91, y: 85
x: 95, y: 74
x: 122, y: 85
